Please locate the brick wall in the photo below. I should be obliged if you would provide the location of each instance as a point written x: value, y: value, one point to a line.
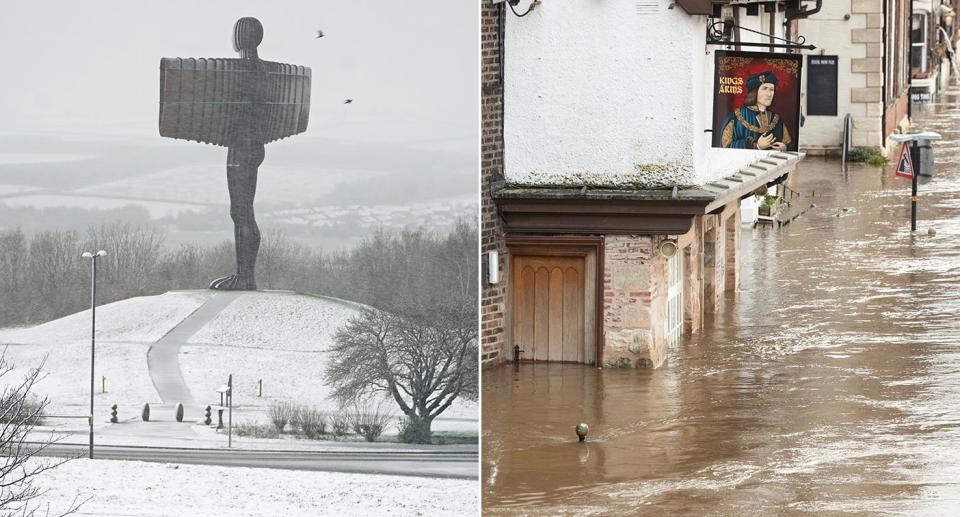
x: 732, y: 247
x: 634, y: 281
x: 493, y: 298
x: 693, y: 280
x: 711, y: 247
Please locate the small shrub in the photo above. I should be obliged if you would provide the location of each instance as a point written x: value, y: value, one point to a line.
x: 256, y: 430
x: 281, y: 413
x: 179, y: 412
x: 414, y: 430
x: 30, y: 412
x: 369, y: 420
x: 870, y: 155
x: 311, y: 422
x: 339, y: 425
x: 145, y: 414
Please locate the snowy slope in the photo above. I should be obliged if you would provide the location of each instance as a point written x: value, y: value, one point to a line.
x: 135, y: 320
x: 279, y: 337
x: 125, y: 331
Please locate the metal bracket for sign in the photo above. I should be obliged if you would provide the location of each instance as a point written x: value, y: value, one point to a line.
x: 719, y: 33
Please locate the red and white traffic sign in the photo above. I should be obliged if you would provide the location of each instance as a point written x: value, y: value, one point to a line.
x: 904, y: 163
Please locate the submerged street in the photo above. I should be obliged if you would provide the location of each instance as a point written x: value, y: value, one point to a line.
x: 829, y: 383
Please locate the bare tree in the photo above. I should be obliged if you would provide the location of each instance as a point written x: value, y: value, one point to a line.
x: 133, y: 253
x: 21, y: 464
x: 423, y: 366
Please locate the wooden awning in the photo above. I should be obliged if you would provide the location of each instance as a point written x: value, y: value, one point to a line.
x: 706, y: 6
x: 545, y: 210
x: 699, y: 6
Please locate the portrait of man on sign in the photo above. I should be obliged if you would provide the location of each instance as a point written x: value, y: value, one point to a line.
x: 754, y: 125
x: 756, y: 101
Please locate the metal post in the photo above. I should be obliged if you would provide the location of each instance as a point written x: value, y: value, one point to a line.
x: 915, y: 158
x: 93, y: 332
x: 230, y: 411
x: 260, y: 388
x: 93, y: 338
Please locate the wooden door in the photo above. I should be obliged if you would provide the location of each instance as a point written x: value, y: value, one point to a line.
x: 548, y: 307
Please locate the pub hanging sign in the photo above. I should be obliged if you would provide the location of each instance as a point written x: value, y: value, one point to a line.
x: 756, y: 100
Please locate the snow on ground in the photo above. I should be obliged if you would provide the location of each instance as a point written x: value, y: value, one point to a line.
x: 66, y: 381
x: 281, y: 338
x: 24, y: 158
x: 125, y: 331
x: 132, y: 488
x: 157, y: 209
x: 204, y: 183
x: 6, y: 188
x: 277, y: 321
x: 140, y: 320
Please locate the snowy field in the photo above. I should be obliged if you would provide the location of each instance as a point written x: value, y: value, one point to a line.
x: 125, y: 331
x: 279, y: 337
x: 157, y: 209
x: 283, y: 339
x: 205, y: 183
x: 133, y: 488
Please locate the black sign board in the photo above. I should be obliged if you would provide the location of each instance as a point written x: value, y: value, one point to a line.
x: 822, y: 85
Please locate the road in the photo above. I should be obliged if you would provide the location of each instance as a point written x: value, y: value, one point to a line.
x: 462, y: 465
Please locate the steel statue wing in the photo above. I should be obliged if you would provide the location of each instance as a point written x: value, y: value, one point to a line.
x: 228, y: 102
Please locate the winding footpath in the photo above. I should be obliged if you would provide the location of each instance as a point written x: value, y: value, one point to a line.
x: 162, y: 358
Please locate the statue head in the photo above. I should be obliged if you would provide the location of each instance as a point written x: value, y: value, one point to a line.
x: 247, y: 34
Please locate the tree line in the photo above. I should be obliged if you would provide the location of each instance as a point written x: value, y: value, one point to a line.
x: 412, y: 273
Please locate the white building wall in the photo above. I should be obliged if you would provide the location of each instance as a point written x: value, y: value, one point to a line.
x: 831, y: 33
x: 599, y: 93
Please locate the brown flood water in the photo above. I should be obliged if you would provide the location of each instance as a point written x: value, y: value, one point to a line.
x: 829, y: 384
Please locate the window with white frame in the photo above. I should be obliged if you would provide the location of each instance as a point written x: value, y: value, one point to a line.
x: 918, y: 44
x: 674, y: 298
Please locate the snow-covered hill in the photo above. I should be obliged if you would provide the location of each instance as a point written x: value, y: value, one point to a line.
x: 281, y: 338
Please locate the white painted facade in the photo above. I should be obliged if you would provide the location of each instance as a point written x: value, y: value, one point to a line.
x: 606, y: 93
x: 830, y: 32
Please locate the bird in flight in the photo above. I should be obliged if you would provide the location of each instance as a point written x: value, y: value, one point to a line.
x: 319, y: 34
x: 348, y: 101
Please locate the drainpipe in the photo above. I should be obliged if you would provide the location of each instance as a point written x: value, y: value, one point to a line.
x: 801, y: 13
x: 886, y: 80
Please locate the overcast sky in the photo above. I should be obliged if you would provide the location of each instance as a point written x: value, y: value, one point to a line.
x: 92, y: 67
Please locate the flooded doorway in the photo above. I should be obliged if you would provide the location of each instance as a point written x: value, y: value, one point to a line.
x: 553, y: 300
x: 548, y: 308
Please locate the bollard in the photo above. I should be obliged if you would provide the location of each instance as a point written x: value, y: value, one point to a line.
x: 219, y: 419
x: 582, y: 429
x: 103, y: 384
x: 145, y: 414
x: 113, y: 414
x: 179, y: 413
x: 260, y: 388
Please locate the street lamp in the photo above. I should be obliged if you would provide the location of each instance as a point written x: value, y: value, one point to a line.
x: 93, y: 328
